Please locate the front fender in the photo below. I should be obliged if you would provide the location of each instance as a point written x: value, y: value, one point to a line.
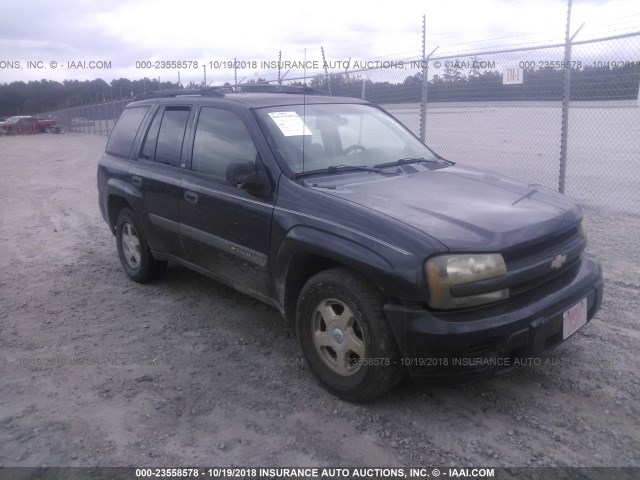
x: 394, y: 279
x: 331, y: 246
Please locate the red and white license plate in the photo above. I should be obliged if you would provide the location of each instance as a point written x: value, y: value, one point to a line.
x: 574, y: 318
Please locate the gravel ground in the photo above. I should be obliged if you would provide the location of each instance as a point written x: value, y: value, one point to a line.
x: 96, y: 370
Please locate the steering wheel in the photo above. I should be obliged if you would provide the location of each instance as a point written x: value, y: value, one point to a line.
x: 353, y: 148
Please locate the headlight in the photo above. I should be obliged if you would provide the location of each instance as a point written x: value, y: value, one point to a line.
x: 445, y: 271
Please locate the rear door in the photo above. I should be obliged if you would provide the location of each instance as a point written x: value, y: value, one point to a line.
x: 158, y: 174
x: 225, y: 229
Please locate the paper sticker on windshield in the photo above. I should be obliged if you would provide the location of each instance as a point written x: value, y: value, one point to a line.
x: 289, y: 123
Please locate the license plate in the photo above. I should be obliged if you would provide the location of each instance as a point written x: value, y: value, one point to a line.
x: 574, y: 318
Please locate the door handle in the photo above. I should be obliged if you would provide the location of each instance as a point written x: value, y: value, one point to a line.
x: 136, y: 180
x: 191, y: 197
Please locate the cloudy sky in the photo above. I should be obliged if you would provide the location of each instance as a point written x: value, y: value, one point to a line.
x: 125, y: 32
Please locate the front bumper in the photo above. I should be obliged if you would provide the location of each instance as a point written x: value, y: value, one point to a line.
x: 494, y: 338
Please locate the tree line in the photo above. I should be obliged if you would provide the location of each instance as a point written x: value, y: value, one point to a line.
x: 28, y: 98
x: 545, y: 84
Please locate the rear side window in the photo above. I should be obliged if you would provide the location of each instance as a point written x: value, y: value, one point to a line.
x: 149, y: 147
x: 125, y: 131
x: 171, y: 135
x: 221, y: 138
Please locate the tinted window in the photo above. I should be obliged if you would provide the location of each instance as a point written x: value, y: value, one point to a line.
x: 221, y: 138
x: 125, y: 130
x: 149, y: 147
x: 171, y: 135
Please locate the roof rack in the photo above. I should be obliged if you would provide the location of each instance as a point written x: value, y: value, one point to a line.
x: 271, y: 88
x: 220, y: 91
x: 183, y: 92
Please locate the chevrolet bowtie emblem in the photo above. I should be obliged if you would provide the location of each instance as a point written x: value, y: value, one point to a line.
x: 558, y: 261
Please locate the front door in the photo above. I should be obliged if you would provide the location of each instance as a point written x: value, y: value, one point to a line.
x: 225, y: 229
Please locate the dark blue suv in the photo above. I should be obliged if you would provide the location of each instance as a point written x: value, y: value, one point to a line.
x: 388, y: 258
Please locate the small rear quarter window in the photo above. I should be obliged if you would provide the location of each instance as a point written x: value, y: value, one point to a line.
x: 125, y: 131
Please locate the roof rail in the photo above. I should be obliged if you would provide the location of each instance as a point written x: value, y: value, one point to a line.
x: 220, y: 91
x: 271, y: 88
x: 183, y: 92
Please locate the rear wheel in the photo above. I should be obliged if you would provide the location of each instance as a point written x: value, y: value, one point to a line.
x: 133, y: 250
x: 345, y: 336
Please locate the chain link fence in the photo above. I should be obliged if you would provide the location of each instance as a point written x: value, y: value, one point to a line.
x: 466, y: 113
x: 98, y: 118
x: 603, y: 164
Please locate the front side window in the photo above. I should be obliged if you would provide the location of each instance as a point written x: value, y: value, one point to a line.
x: 317, y: 136
x: 221, y: 138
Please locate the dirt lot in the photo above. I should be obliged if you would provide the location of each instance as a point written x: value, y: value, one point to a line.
x: 96, y: 370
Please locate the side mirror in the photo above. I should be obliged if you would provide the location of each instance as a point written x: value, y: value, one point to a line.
x: 244, y: 174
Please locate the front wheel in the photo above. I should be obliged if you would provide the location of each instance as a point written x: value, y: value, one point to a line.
x: 345, y: 337
x: 135, y: 256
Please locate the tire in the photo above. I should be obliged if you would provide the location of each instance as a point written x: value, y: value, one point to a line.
x: 133, y: 250
x: 345, y: 336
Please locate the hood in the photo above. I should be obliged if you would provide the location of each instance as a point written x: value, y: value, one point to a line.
x: 462, y: 207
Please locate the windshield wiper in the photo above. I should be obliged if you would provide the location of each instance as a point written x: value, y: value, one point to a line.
x: 345, y: 168
x: 341, y: 168
x: 404, y: 161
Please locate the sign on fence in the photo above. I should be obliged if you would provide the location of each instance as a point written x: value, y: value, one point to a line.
x: 512, y: 75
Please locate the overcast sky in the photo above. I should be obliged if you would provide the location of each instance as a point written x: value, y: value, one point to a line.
x: 123, y: 32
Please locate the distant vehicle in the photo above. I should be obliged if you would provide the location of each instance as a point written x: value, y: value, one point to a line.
x: 81, y: 122
x: 28, y: 124
x: 45, y: 123
x: 18, y: 124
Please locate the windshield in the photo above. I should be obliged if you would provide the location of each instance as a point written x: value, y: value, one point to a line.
x: 318, y: 136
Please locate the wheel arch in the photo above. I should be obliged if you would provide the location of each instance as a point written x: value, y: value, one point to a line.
x: 308, y: 251
x: 115, y: 204
x: 302, y: 267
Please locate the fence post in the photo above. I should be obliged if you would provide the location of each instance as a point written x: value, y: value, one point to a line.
x: 115, y: 116
x: 425, y: 81
x: 100, y: 106
x: 326, y: 70
x: 425, y: 71
x: 423, y: 105
x: 566, y: 96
